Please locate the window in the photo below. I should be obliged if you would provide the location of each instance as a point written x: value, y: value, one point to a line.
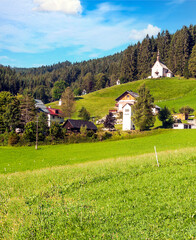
x: 126, y: 110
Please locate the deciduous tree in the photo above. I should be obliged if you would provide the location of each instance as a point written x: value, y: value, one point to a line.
x: 165, y: 117
x: 68, y: 103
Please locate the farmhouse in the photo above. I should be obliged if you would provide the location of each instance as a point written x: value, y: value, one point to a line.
x: 130, y: 98
x: 54, y: 115
x: 160, y: 70
x: 123, y: 99
x: 74, y: 125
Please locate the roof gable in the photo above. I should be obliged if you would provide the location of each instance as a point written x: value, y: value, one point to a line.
x: 133, y: 94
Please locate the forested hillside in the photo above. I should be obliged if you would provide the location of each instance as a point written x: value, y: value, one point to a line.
x: 177, y: 51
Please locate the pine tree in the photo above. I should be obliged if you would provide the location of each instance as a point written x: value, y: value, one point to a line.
x: 129, y: 65
x: 143, y: 117
x: 84, y: 114
x: 109, y: 121
x: 192, y: 62
x: 165, y: 117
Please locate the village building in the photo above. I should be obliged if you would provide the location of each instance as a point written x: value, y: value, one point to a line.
x: 53, y: 114
x: 75, y: 125
x: 160, y: 70
x: 123, y: 99
x: 183, y: 126
x: 60, y: 102
x: 127, y: 115
x: 118, y: 82
x: 124, y: 106
x: 84, y: 92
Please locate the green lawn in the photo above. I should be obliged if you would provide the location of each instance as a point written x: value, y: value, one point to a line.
x: 13, y: 159
x: 126, y: 198
x: 172, y: 92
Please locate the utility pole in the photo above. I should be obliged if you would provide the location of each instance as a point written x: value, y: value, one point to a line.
x: 36, y: 144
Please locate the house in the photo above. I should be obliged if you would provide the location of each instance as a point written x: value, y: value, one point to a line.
x: 118, y: 82
x: 84, y: 92
x: 183, y: 126
x: 74, y: 125
x: 180, y: 116
x: 60, y: 102
x: 160, y: 70
x: 127, y: 114
x: 123, y: 99
x: 156, y: 109
x: 54, y: 115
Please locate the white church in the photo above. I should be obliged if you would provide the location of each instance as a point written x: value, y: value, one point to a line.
x: 160, y: 70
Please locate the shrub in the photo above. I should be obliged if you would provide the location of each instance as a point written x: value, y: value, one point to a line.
x: 13, y: 139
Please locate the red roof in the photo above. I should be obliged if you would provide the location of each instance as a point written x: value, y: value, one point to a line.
x: 54, y: 111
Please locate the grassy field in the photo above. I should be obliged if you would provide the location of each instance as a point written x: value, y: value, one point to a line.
x: 172, y: 92
x: 27, y: 158
x: 123, y: 198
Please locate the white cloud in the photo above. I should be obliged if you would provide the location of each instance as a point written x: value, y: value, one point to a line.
x: 94, y: 32
x: 140, y: 34
x: 65, y: 6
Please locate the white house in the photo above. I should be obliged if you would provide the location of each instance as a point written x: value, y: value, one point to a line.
x: 183, y: 126
x: 160, y: 70
x: 60, y: 102
x: 118, y: 82
x: 127, y: 114
x: 54, y: 115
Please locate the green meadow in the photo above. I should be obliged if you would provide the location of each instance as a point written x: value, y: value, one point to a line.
x: 119, y: 198
x: 14, y: 159
x: 105, y: 190
x: 171, y: 92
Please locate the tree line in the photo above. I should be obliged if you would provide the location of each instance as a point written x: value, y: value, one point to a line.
x: 177, y: 51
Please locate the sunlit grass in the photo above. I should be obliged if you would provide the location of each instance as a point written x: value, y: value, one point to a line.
x: 122, y: 198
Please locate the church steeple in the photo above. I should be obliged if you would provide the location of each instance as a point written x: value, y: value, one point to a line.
x: 158, y: 58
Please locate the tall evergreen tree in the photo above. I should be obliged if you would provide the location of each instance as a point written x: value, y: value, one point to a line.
x: 144, y: 58
x: 143, y: 117
x: 129, y: 65
x: 192, y: 62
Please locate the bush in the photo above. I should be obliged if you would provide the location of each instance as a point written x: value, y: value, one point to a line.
x: 13, y: 139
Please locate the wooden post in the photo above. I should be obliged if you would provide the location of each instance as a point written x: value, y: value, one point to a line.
x: 156, y: 156
x: 36, y: 144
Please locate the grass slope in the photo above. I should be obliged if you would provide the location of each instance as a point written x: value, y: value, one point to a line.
x: 14, y: 159
x: 129, y: 198
x: 172, y: 92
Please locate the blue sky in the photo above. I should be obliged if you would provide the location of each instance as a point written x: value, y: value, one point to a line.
x: 45, y: 32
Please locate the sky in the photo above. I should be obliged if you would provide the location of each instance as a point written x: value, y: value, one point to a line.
x: 44, y: 32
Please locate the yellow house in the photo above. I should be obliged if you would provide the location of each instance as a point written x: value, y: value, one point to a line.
x: 127, y: 97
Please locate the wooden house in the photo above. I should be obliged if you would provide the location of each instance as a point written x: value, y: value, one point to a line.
x: 127, y: 97
x: 74, y: 125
